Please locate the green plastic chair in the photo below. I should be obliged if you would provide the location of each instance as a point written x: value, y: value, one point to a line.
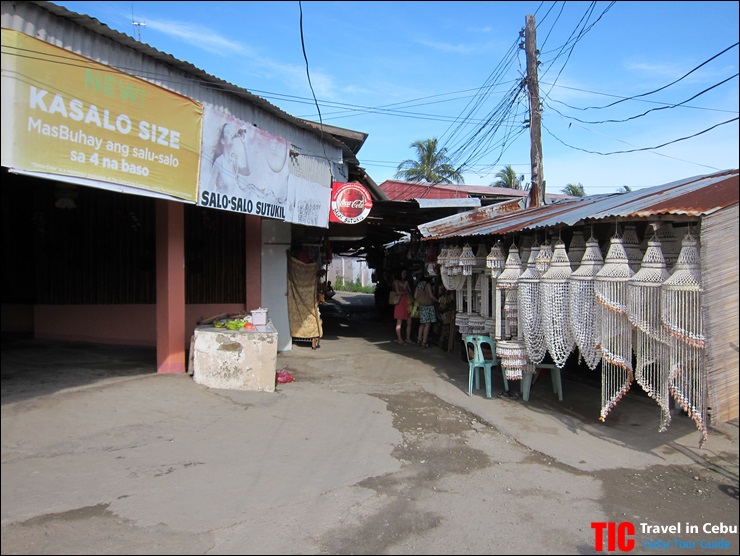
x: 480, y: 358
x: 529, y: 379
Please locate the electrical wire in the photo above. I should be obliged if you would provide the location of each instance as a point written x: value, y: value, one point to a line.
x: 666, y: 107
x: 308, y: 75
x: 644, y: 148
x: 658, y: 89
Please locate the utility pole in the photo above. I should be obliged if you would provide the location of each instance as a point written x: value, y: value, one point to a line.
x: 537, y: 190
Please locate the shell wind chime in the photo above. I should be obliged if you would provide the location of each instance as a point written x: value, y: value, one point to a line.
x: 530, y: 309
x: 576, y: 248
x: 632, y: 247
x: 611, y: 291
x: 467, y: 260
x: 555, y: 300
x: 467, y: 263
x: 681, y: 319
x: 643, y: 311
x: 483, y: 282
x: 511, y: 351
x: 542, y: 262
x: 670, y: 244
x: 584, y: 309
x: 449, y: 269
x: 495, y: 262
x: 508, y: 281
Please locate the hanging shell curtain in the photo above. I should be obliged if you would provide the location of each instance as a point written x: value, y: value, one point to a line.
x: 584, y: 310
x: 511, y: 351
x: 644, y: 312
x: 530, y: 312
x: 610, y: 288
x: 556, y: 316
x: 681, y: 319
x: 508, y: 282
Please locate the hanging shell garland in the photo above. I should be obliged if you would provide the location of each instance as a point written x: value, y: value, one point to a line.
x: 584, y: 310
x: 611, y: 290
x: 530, y: 309
x: 681, y: 319
x: 508, y: 281
x: 650, y: 346
x: 556, y: 314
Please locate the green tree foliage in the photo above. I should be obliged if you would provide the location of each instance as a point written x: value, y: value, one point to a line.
x: 576, y: 190
x: 432, y: 165
x: 507, y: 178
x: 350, y: 286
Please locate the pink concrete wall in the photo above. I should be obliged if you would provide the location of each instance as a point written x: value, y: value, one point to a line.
x: 17, y: 318
x: 133, y: 325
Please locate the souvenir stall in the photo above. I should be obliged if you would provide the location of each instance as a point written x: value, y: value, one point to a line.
x: 625, y: 313
x: 634, y: 304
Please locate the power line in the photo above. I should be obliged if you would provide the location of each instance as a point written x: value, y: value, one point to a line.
x: 651, y: 110
x: 644, y: 148
x: 658, y: 89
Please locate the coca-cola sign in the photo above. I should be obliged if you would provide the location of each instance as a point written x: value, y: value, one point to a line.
x: 350, y: 202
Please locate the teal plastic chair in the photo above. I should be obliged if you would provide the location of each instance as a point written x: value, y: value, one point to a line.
x: 481, y: 352
x: 529, y: 379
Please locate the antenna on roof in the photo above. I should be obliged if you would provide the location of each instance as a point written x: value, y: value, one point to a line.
x: 137, y: 24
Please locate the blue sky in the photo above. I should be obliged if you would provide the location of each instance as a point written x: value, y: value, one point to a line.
x: 408, y: 71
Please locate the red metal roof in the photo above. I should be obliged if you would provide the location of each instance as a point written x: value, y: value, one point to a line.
x: 406, y: 190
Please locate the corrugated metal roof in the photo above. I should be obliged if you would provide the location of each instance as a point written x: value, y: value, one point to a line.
x: 441, y: 203
x: 398, y: 190
x: 696, y: 196
x: 406, y: 190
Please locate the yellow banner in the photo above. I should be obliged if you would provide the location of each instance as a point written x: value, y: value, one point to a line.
x: 69, y: 115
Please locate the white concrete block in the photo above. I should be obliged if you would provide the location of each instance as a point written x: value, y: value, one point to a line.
x: 236, y: 359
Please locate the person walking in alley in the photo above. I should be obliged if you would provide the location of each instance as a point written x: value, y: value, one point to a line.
x: 424, y: 295
x: 401, y: 311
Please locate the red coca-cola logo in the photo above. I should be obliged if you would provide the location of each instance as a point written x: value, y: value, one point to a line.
x: 351, y: 204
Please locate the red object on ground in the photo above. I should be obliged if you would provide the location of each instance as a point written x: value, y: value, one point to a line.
x: 284, y: 376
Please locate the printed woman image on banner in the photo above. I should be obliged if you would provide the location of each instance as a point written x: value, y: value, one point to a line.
x: 243, y: 168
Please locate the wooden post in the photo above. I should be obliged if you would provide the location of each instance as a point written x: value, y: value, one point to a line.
x: 537, y: 190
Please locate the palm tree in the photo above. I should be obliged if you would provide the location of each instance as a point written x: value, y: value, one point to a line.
x: 576, y: 190
x: 507, y: 178
x: 432, y: 165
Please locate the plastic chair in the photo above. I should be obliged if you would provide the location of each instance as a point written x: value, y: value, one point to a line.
x: 477, y: 360
x: 529, y: 379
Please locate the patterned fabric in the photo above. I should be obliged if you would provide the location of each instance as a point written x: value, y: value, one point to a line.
x: 303, y: 309
x: 427, y: 313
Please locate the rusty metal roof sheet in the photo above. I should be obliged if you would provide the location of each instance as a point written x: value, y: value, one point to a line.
x: 696, y: 196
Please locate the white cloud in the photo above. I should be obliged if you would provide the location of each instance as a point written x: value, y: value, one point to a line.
x: 212, y: 42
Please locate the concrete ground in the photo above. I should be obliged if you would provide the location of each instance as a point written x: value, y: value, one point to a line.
x: 375, y: 448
